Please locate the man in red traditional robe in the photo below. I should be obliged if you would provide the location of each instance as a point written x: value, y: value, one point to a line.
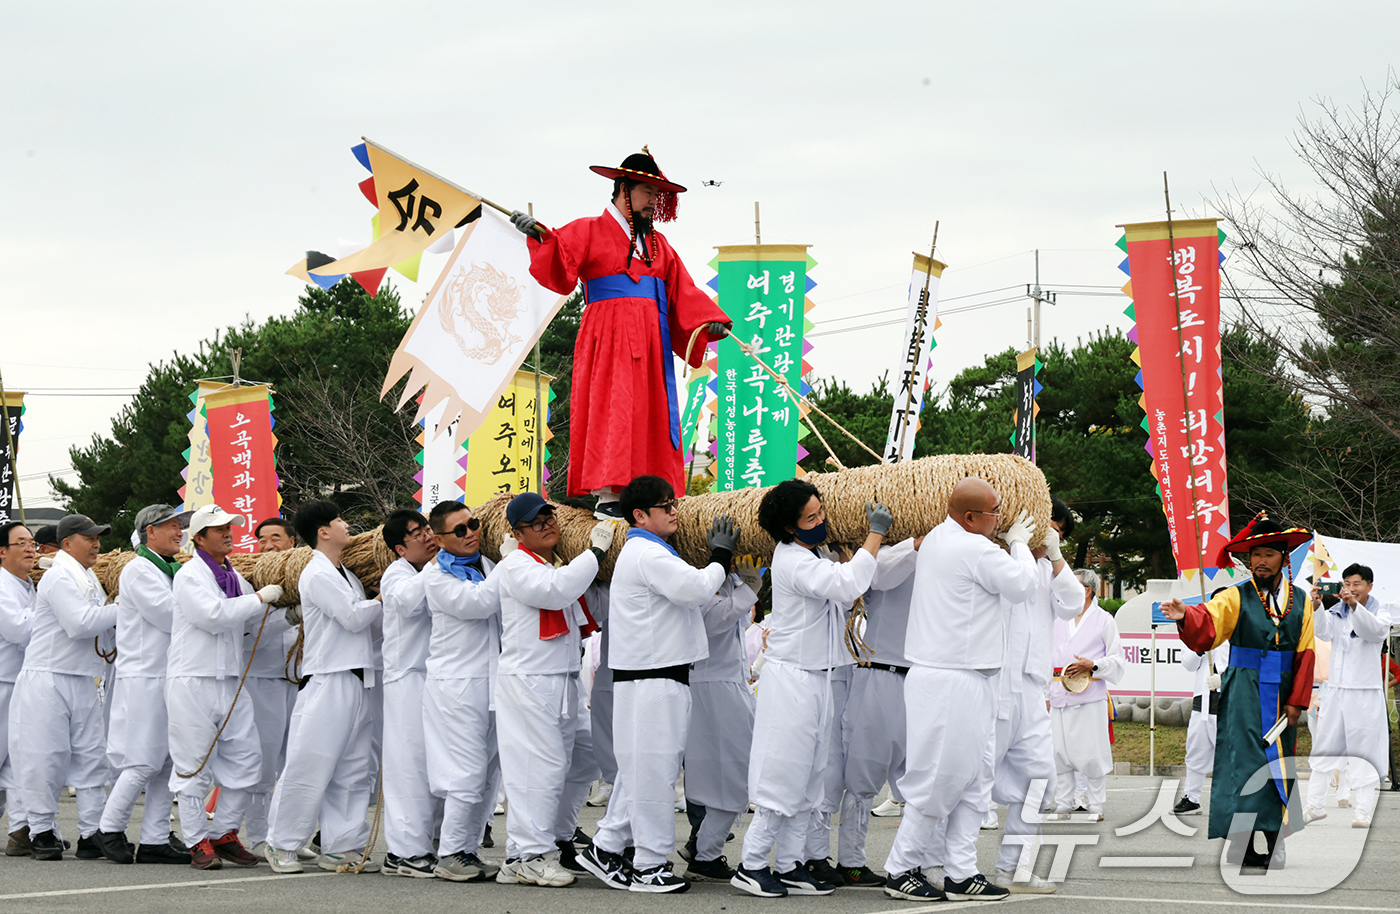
x: 641, y: 307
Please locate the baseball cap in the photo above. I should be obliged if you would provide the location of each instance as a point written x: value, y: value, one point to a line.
x: 155, y: 515
x: 75, y: 524
x: 213, y: 516
x: 524, y: 507
x: 46, y: 535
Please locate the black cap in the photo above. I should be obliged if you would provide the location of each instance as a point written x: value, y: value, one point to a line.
x: 75, y: 524
x: 46, y: 535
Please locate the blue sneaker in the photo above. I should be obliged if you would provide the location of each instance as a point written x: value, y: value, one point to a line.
x: 758, y: 882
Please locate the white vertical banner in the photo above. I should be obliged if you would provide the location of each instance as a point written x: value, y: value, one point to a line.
x: 442, y: 467
x: 915, y: 358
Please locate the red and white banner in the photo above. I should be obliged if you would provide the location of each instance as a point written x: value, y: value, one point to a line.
x: 1176, y: 303
x: 240, y: 455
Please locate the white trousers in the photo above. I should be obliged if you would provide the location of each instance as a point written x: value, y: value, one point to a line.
x: 57, y: 737
x: 1023, y: 778
x: 1200, y: 752
x: 769, y: 830
x: 651, y: 718
x: 873, y: 730
x: 1081, y: 747
x: 951, y: 743
x: 718, y: 745
x: 460, y: 758
x: 273, y: 699
x: 583, y: 771
x: 138, y: 749
x: 601, y: 717
x: 331, y: 767
x: 410, y: 809
x: 536, y: 718
x: 197, y: 707
x: 9, y: 780
x: 818, y: 843
x: 1351, y: 724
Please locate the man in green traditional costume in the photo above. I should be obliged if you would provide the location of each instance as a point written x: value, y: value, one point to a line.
x: 1268, y: 621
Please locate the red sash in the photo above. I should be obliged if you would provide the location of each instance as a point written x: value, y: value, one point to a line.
x: 553, y: 622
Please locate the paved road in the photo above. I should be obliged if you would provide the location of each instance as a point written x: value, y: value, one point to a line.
x: 1090, y: 885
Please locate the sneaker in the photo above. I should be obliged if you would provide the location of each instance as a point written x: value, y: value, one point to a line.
x: 716, y: 870
x: 282, y: 861
x: 204, y: 857
x: 545, y: 871
x: 935, y: 877
x: 114, y: 846
x: 600, y: 795
x: 823, y: 871
x: 912, y: 886
x: 974, y: 888
x: 657, y: 879
x: 1023, y: 882
x: 990, y: 822
x: 568, y: 857
x: 46, y: 846
x: 486, y: 839
x: 163, y: 853
x: 500, y: 810
x: 800, y: 882
x: 689, y: 852
x: 89, y: 849
x: 1344, y: 802
x: 1186, y: 807
x: 1361, y: 820
x: 348, y: 862
x: 424, y: 867
x: 610, y: 868
x: 460, y: 867
x: 231, y: 849
x: 581, y: 839
x: 314, y: 845
x: 890, y: 809
x: 18, y: 845
x: 175, y: 842
x: 609, y: 510
x: 861, y: 877
x: 760, y: 882
x: 1311, y: 814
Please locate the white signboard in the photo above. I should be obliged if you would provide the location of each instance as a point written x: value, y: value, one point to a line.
x: 1173, y: 679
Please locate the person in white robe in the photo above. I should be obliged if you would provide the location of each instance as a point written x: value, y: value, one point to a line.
x: 17, y: 558
x: 1200, y: 729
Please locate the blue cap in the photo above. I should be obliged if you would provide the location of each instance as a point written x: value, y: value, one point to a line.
x: 524, y: 507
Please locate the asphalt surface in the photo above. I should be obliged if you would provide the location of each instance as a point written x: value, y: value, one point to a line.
x: 1104, y: 873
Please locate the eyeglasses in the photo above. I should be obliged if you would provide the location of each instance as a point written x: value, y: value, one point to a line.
x: 420, y: 533
x: 996, y: 513
x: 20, y: 544
x: 460, y: 530
x: 544, y: 521
x: 670, y: 507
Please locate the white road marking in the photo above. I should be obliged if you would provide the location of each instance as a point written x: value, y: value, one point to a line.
x: 1266, y: 901
x: 224, y: 883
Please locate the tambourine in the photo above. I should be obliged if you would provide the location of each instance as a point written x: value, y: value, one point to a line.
x: 1077, y: 681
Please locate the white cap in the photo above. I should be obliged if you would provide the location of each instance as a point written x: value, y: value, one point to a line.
x: 213, y: 516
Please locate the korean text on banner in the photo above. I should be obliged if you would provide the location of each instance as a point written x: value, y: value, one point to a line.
x: 763, y: 289
x: 444, y: 464
x: 916, y: 358
x: 240, y: 450
x: 9, y: 482
x: 1027, y: 388
x: 1183, y: 397
x: 198, y: 489
x: 476, y: 326
x: 501, y: 453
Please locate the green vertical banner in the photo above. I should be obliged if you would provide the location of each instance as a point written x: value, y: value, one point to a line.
x: 763, y: 289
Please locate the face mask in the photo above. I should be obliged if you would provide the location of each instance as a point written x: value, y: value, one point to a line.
x: 814, y: 537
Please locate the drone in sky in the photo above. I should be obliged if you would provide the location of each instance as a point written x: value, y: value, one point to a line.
x: 711, y: 183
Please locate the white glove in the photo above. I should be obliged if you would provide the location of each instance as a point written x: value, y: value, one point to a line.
x: 509, y: 545
x: 602, y: 536
x: 1020, y: 532
x: 1213, y: 682
x: 1052, y: 545
x: 270, y: 594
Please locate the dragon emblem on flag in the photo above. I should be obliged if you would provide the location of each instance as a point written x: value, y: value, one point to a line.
x: 488, y: 301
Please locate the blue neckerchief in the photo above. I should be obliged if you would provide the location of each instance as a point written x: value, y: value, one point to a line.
x: 461, y: 567
x: 639, y: 533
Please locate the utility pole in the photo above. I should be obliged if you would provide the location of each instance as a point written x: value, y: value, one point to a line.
x: 1037, y: 295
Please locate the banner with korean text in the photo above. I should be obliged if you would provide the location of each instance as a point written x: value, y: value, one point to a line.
x: 916, y: 358
x: 1027, y: 389
x: 198, y: 488
x: 241, y: 461
x: 1175, y: 288
x: 763, y: 289
x: 442, y: 462
x: 502, y: 452
x: 9, y: 454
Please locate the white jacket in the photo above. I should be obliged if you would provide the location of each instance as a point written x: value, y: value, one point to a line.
x: 337, y: 619
x: 726, y: 619
x: 1030, y: 628
x: 16, y: 619
x: 1356, y: 636
x: 465, y: 617
x: 145, y: 605
x: 657, y: 598
x: 887, y: 603
x: 811, y: 598
x: 206, y: 629
x: 277, y: 640
x: 70, y: 611
x: 408, y: 627
x: 1195, y: 663
x: 527, y: 587
x: 963, y: 583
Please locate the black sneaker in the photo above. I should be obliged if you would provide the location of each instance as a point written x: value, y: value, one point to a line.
x: 46, y: 846
x: 568, y: 857
x: 581, y: 839
x: 657, y: 879
x: 823, y: 871
x: 163, y: 853
x: 414, y: 867
x: 689, y: 851
x: 114, y: 846
x: 758, y: 882
x: 609, y: 868
x: 973, y: 888
x: 89, y: 849
x: 716, y: 870
x: 176, y: 843
x: 800, y: 882
x: 1187, y: 807
x: 861, y: 877
x: 486, y: 839
x: 609, y: 510
x: 912, y: 886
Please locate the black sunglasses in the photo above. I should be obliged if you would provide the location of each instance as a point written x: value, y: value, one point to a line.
x: 461, y: 529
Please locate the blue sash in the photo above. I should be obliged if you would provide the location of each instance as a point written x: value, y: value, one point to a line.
x: 1270, y: 665
x: 623, y: 286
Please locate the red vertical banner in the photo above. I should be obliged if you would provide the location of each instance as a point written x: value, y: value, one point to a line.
x: 1175, y: 287
x: 240, y: 452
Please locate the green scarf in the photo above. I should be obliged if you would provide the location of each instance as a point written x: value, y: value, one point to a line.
x: 169, y: 566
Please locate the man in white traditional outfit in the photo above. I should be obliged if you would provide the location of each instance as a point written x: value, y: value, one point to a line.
x: 138, y: 744
x: 213, y: 737
x: 656, y: 604
x: 1351, y: 718
x: 464, y: 603
x: 1200, y: 730
x: 56, y: 730
x: 331, y: 760
x: 955, y: 644
x: 1086, y: 645
x: 537, y: 683
x: 410, y: 811
x: 792, y: 727
x: 17, y: 558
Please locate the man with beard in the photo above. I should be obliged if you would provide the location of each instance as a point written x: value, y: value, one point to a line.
x: 641, y: 306
x: 1268, y: 621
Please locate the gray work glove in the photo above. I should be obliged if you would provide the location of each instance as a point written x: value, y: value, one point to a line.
x: 717, y: 330
x: 724, y: 533
x: 528, y: 225
x: 880, y: 517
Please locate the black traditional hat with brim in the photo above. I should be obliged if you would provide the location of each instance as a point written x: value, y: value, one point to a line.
x: 1262, y: 531
x: 641, y: 167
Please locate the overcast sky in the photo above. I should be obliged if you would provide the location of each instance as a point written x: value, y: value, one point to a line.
x: 165, y: 163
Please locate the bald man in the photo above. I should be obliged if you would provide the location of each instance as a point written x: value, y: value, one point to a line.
x: 955, y: 645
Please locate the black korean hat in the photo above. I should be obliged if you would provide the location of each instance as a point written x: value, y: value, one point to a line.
x: 640, y: 166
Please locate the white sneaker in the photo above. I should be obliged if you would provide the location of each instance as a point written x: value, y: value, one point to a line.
x: 307, y: 855
x: 342, y: 863
x: 600, y: 794
x: 509, y: 873
x: 545, y: 871
x: 1361, y: 821
x: 990, y: 822
x: 500, y: 809
x: 1311, y: 814
x: 935, y: 877
x: 282, y: 861
x: 890, y: 809
x: 1023, y: 882
x: 259, y: 849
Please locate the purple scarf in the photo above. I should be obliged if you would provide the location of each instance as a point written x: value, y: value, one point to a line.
x: 224, y: 575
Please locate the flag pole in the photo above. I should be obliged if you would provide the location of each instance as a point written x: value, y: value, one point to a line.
x: 920, y: 320
x: 434, y: 175
x: 539, y: 407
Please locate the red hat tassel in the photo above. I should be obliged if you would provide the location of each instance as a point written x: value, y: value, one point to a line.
x: 666, y: 205
x: 1223, y: 558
